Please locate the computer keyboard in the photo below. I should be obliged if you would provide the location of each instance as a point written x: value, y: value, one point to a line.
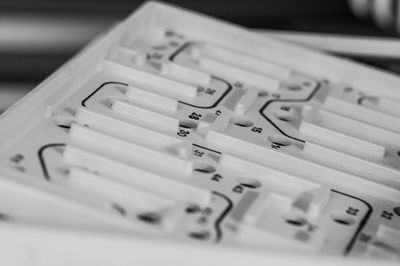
x: 179, y: 127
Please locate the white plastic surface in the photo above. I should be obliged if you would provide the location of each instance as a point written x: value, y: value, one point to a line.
x: 178, y: 127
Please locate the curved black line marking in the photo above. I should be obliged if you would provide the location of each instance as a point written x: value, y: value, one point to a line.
x: 42, y: 160
x: 83, y: 103
x: 362, y: 224
x: 180, y: 50
x: 248, y: 186
x: 171, y: 58
x: 229, y: 88
x: 287, y: 100
x: 219, y: 220
x: 208, y: 149
x: 63, y: 126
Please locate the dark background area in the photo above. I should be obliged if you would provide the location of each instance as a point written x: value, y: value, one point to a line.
x: 36, y: 37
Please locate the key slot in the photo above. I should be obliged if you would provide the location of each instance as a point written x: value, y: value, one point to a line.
x: 146, y: 117
x: 342, y: 142
x: 363, y: 114
x: 136, y: 177
x: 246, y: 101
x: 221, y: 69
x: 129, y: 152
x: 151, y: 100
x: 129, y: 197
x: 357, y: 129
x: 161, y: 85
x: 352, y: 164
x: 246, y: 62
x: 280, y: 162
x: 125, y: 130
x: 185, y: 75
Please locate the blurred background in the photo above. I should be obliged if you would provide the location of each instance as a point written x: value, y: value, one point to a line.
x: 36, y: 37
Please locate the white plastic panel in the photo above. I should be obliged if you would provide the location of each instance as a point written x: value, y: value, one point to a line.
x: 181, y: 127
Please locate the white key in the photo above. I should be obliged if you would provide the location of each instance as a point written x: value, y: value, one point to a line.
x: 275, y: 163
x: 281, y: 238
x: 352, y: 164
x: 129, y: 197
x: 221, y: 69
x: 129, y: 152
x: 358, y: 129
x: 389, y: 106
x: 151, y: 100
x: 183, y: 150
x: 263, y: 202
x: 56, y: 204
x: 267, y: 174
x: 145, y: 117
x: 246, y: 62
x: 137, y: 57
x: 171, y: 215
x: 136, y: 177
x: 389, y: 234
x: 155, y: 35
x: 321, y: 197
x: 386, y: 244
x: 185, y: 75
x: 124, y: 130
x: 342, y: 142
x: 264, y: 223
x: 376, y: 250
x: 153, y: 82
x: 220, y: 123
x: 243, y: 205
x: 246, y: 101
x: 361, y: 113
